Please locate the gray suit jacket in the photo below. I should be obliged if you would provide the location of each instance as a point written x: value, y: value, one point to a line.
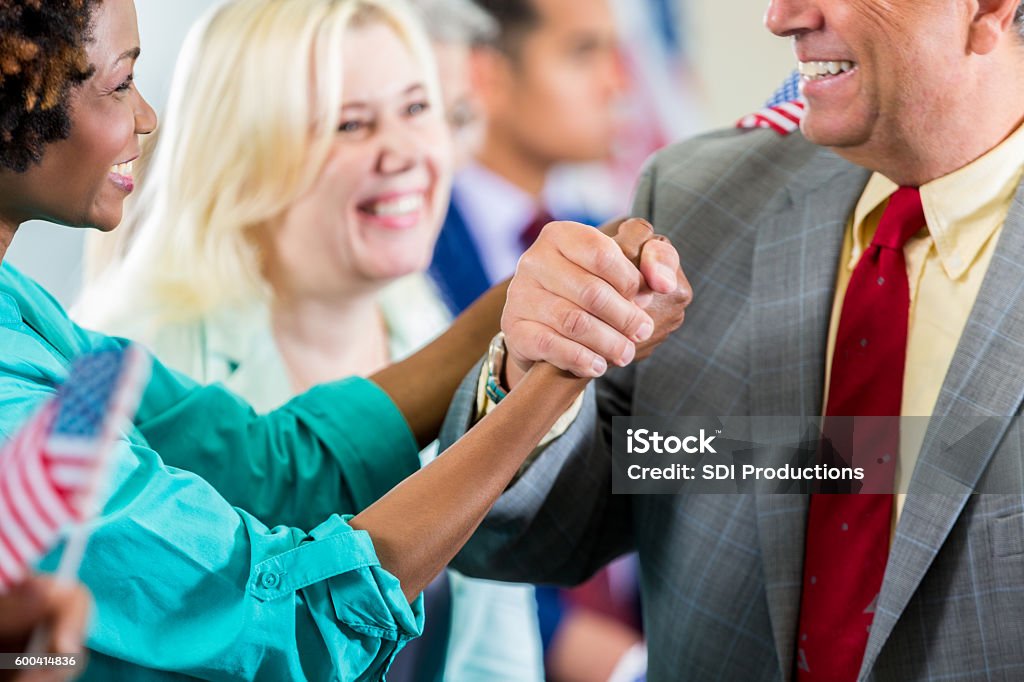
x: 759, y: 221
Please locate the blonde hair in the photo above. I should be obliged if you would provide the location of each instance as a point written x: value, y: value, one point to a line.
x: 250, y: 121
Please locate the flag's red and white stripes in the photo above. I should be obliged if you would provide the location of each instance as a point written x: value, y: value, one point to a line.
x: 52, y: 471
x: 784, y: 118
x: 39, y: 494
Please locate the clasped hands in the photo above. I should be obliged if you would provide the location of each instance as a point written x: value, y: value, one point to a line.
x: 584, y: 299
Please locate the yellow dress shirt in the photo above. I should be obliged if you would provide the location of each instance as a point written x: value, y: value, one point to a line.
x: 946, y: 264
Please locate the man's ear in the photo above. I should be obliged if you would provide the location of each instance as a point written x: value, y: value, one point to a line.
x: 490, y: 76
x: 992, y: 23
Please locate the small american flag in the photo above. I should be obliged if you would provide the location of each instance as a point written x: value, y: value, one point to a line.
x: 782, y: 113
x: 50, y: 472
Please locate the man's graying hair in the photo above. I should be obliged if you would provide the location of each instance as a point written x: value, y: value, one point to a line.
x: 457, y: 22
x: 515, y: 20
x: 1018, y: 19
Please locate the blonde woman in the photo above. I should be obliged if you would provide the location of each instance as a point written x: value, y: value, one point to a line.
x: 272, y: 261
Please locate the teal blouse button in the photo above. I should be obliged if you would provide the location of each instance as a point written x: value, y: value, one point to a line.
x: 269, y: 580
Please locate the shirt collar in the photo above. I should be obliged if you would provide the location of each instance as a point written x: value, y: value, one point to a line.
x: 963, y: 209
x: 492, y: 204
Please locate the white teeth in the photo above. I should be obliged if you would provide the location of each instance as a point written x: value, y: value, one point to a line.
x: 816, y: 70
x: 124, y: 169
x: 400, y: 206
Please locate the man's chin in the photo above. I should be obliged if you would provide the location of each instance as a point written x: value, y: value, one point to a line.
x: 835, y: 134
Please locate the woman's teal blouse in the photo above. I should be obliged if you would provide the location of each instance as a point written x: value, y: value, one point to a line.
x: 187, y: 578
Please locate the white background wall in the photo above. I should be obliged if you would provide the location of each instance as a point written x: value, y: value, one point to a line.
x: 736, y: 61
x: 53, y: 254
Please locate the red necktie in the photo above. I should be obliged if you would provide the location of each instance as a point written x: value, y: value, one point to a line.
x: 847, y: 543
x: 530, y: 233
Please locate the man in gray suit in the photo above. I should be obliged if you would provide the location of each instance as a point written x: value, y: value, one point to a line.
x: 926, y: 95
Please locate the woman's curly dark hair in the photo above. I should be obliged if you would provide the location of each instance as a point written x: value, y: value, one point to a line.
x: 42, y: 58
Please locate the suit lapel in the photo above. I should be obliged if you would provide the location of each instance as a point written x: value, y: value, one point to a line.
x: 792, y: 290
x: 985, y: 378
x: 457, y: 267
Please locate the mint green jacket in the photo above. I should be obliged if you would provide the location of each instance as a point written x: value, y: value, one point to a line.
x: 185, y: 583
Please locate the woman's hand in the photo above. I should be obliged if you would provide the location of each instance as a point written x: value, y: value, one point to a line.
x: 653, y: 255
x: 42, y: 601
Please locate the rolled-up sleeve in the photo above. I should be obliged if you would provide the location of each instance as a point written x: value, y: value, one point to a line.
x: 185, y: 583
x: 334, y: 449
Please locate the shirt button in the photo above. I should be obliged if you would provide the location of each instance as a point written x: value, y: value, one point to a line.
x: 268, y: 580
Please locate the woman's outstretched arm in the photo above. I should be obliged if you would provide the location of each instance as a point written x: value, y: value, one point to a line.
x: 424, y: 521
x: 423, y: 384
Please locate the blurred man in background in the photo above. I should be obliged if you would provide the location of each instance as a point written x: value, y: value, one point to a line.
x: 548, y: 84
x: 544, y: 91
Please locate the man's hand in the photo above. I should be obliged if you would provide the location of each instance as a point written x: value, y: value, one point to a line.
x: 43, y: 601
x: 578, y: 298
